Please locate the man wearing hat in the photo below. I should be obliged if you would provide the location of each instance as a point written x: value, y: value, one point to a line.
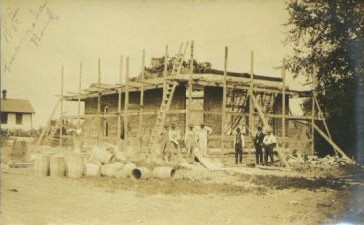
x: 258, y: 144
x: 269, y: 143
x: 239, y: 144
x: 203, y: 132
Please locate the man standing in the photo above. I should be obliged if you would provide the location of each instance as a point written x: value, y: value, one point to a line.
x: 258, y: 143
x: 164, y: 139
x: 269, y: 143
x: 203, y: 133
x: 239, y: 144
x: 190, y: 141
x: 174, y: 136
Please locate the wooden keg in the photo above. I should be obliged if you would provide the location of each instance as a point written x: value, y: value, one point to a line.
x: 75, y: 165
x: 57, y: 166
x: 41, y: 165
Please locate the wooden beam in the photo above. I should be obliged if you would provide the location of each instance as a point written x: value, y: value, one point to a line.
x: 61, y: 113
x: 99, y: 71
x: 251, y: 89
x: 119, y: 101
x: 141, y: 101
x: 313, y: 112
x: 337, y: 148
x: 284, y: 99
x: 223, y: 108
x: 190, y: 88
x: 79, y: 97
x: 126, y: 102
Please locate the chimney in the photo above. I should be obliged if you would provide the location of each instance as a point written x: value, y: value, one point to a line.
x: 4, y: 94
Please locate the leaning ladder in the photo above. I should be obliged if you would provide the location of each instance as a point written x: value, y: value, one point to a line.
x: 169, y: 88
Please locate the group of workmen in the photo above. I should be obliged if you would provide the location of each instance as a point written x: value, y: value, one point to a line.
x: 196, y: 139
x: 264, y: 146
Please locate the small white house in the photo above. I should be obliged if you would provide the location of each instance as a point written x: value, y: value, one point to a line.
x: 16, y: 113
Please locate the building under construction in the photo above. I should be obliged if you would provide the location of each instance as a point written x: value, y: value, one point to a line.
x: 180, y: 91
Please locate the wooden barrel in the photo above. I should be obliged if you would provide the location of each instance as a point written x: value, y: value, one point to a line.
x: 74, y: 165
x: 57, y: 166
x: 92, y: 170
x: 109, y: 170
x: 125, y: 171
x: 164, y: 172
x: 41, y: 165
x: 140, y: 173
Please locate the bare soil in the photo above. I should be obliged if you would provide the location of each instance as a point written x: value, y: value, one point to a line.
x: 217, y: 198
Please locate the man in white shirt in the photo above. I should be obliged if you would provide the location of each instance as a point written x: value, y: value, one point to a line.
x: 203, y: 132
x: 269, y: 143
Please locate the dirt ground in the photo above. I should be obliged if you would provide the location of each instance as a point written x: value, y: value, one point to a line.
x: 239, y: 195
x: 209, y: 199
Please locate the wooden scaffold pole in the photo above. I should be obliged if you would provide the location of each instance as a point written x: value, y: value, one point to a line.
x: 224, y: 102
x: 188, y: 116
x: 284, y: 103
x: 61, y: 113
x: 313, y: 112
x: 141, y: 101
x: 251, y: 108
x: 79, y: 98
x: 99, y: 104
x: 126, y: 101
x: 119, y: 102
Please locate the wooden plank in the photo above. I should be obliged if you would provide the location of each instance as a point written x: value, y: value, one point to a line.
x: 251, y: 89
x: 126, y: 102
x: 332, y: 143
x: 141, y: 101
x: 79, y: 98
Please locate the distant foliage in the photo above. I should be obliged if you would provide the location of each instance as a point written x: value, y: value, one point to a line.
x: 19, y: 133
x: 328, y: 40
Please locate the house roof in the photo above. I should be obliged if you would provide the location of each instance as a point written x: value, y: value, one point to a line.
x: 16, y: 105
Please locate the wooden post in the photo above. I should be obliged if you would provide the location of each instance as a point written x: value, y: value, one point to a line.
x: 99, y: 103
x: 251, y: 106
x: 224, y: 101
x: 165, y: 67
x: 79, y: 98
x: 119, y: 101
x: 141, y: 101
x: 99, y: 71
x: 313, y: 113
x: 61, y: 116
x: 188, y: 116
x: 126, y: 101
x: 284, y: 103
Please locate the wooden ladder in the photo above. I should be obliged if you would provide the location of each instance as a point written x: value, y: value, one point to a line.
x: 48, y: 130
x: 168, y: 92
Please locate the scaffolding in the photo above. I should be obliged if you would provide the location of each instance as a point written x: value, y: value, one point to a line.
x: 229, y: 100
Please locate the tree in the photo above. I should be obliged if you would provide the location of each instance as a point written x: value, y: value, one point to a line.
x: 328, y: 40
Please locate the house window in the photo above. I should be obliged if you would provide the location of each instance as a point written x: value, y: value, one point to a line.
x: 19, y: 118
x: 4, y: 118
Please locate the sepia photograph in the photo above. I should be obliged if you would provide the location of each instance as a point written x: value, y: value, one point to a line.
x: 186, y: 112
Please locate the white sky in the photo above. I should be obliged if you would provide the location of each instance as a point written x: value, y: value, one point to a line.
x: 86, y: 30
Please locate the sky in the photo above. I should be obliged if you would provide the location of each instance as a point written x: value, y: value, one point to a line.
x: 39, y: 37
